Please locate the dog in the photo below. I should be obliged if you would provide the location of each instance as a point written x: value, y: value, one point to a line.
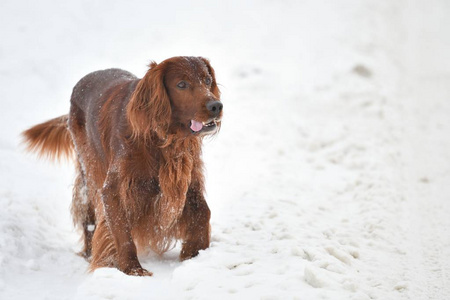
x: 137, y: 147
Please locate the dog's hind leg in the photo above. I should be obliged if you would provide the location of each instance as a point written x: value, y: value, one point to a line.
x: 83, y: 213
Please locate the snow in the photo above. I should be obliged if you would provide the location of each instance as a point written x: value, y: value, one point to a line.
x: 329, y: 178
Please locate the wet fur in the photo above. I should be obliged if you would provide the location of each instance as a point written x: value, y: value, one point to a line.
x: 139, y: 182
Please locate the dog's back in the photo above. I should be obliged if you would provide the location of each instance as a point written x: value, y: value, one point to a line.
x: 92, y: 87
x: 106, y: 90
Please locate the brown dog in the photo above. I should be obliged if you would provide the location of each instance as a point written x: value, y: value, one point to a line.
x: 137, y: 143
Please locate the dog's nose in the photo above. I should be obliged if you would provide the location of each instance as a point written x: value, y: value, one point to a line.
x: 215, y: 107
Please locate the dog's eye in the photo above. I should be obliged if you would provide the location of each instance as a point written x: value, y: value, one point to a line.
x: 182, y: 85
x: 208, y: 81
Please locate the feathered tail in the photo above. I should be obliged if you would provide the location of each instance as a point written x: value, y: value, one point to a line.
x: 50, y: 139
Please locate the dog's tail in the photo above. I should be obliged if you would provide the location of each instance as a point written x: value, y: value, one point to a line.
x: 50, y: 139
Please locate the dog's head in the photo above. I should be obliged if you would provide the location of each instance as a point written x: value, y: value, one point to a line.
x: 178, y: 95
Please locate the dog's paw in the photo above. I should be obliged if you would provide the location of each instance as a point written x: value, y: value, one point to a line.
x: 188, y: 253
x: 137, y: 271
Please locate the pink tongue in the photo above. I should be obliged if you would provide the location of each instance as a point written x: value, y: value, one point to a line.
x: 196, y: 126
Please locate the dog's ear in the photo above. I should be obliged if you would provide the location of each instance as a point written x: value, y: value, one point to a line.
x: 149, y: 108
x: 214, y: 88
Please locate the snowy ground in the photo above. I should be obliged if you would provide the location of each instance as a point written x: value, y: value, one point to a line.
x: 330, y: 178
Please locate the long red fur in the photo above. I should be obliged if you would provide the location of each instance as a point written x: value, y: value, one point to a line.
x: 139, y: 183
x: 50, y: 139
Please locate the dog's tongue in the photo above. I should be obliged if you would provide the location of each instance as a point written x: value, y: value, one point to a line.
x: 196, y: 126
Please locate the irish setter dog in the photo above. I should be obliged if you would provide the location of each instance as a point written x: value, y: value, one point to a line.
x: 137, y: 144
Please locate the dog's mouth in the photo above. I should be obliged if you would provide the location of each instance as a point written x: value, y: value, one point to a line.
x: 197, y: 127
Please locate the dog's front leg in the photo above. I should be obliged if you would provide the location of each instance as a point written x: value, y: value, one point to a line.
x: 119, y: 227
x: 195, y: 227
